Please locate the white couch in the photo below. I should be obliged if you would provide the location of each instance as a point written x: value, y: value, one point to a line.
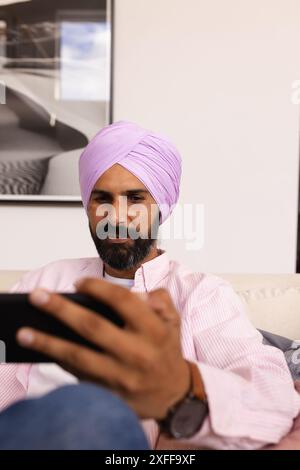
x: 272, y: 300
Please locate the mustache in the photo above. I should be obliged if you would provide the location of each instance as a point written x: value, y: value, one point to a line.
x: 115, y: 231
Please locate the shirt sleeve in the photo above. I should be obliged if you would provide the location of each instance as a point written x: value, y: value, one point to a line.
x: 27, y: 282
x: 25, y: 371
x: 20, y: 378
x: 251, y: 395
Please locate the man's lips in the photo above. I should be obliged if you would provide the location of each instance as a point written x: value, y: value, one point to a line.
x: 118, y: 240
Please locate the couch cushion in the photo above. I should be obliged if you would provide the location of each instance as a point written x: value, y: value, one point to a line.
x: 9, y: 278
x: 272, y: 301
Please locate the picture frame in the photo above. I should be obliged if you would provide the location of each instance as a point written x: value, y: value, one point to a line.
x: 56, y: 68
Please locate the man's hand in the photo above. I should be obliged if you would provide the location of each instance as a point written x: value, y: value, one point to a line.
x: 142, y: 362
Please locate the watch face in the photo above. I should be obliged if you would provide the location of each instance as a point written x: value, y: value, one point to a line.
x: 188, y: 418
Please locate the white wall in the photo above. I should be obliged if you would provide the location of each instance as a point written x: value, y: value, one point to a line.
x: 35, y: 235
x: 216, y: 77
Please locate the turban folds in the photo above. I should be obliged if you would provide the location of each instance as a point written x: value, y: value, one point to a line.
x: 151, y: 157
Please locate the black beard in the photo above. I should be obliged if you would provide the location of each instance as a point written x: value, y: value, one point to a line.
x: 121, y: 256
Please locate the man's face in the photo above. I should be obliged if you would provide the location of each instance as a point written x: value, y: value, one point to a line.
x: 123, y: 218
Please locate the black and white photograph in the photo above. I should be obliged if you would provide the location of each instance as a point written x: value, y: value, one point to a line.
x: 55, y: 60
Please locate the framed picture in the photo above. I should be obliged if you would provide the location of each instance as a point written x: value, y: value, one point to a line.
x: 55, y: 93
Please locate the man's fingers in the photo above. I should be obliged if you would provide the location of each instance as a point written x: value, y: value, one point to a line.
x: 88, y: 324
x: 134, y: 311
x: 95, y: 365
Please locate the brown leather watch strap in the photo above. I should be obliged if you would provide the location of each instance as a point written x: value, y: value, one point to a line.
x: 197, y: 386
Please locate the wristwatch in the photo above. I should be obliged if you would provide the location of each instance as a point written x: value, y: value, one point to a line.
x: 186, y: 417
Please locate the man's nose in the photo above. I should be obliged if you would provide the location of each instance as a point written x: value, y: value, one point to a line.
x: 119, y: 213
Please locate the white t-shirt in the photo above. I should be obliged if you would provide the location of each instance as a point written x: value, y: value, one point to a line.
x: 119, y: 281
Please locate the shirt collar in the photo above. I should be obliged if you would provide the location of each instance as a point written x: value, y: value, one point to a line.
x: 147, y: 276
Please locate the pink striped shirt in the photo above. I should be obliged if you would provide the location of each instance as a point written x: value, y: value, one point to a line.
x: 251, y: 395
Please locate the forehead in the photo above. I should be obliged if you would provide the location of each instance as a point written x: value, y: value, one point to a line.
x: 118, y: 179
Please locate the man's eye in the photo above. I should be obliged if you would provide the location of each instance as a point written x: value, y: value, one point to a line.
x: 101, y: 202
x: 101, y: 199
x: 136, y: 198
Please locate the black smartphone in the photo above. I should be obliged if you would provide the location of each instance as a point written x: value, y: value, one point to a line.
x: 16, y: 311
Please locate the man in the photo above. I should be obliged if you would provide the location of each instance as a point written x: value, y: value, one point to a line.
x: 188, y: 362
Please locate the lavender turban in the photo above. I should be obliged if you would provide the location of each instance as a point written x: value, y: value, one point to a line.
x: 151, y: 157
